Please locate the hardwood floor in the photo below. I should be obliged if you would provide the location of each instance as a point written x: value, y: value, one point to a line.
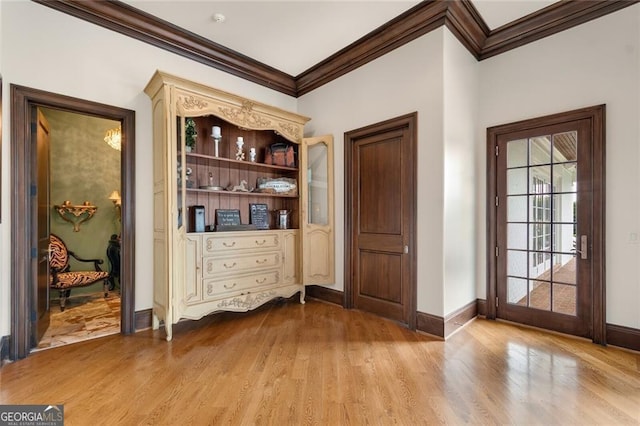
x: 317, y: 363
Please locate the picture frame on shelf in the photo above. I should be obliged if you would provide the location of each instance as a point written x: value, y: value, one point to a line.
x: 259, y: 215
x: 227, y: 217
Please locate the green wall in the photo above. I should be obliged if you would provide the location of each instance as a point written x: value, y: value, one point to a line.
x: 83, y: 168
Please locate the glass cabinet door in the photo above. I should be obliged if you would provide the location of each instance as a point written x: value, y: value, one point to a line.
x: 182, y: 172
x: 317, y: 184
x: 318, y: 266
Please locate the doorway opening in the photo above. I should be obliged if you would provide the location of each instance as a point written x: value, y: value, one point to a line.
x: 546, y: 222
x: 26, y: 103
x: 84, y: 170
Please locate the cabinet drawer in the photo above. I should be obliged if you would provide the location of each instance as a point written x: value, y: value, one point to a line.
x: 216, y: 244
x: 240, y: 262
x: 223, y: 286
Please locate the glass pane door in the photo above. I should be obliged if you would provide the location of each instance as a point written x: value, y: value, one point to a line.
x: 541, y: 196
x: 546, y: 178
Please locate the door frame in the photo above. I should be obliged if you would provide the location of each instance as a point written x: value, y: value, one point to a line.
x: 596, y: 115
x: 409, y: 121
x: 24, y: 100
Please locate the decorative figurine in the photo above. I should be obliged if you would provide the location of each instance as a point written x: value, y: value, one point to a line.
x: 252, y: 155
x: 239, y: 188
x: 188, y: 180
x: 240, y: 153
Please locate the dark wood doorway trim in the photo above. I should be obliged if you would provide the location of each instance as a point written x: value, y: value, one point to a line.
x: 24, y: 101
x: 596, y: 115
x: 410, y: 122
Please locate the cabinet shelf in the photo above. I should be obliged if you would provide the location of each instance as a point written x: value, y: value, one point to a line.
x: 238, y: 162
x: 240, y: 193
x: 240, y: 270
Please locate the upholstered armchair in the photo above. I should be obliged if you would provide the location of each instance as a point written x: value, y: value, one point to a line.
x: 63, y: 279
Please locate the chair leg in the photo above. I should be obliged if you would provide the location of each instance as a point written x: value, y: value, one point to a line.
x: 63, y: 299
x: 106, y: 288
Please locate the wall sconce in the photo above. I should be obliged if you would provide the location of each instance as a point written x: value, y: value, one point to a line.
x: 117, y: 201
x: 216, y: 134
x: 76, y: 215
x: 114, y: 138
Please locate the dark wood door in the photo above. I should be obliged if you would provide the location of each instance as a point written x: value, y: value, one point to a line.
x: 42, y: 219
x: 382, y: 200
x: 546, y: 221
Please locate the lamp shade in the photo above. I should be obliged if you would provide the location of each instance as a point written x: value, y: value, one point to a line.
x: 115, y: 197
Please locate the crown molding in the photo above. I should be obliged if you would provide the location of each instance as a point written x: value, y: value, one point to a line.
x: 459, y: 16
x: 417, y: 21
x: 464, y: 21
x: 132, y: 22
x: 553, y: 19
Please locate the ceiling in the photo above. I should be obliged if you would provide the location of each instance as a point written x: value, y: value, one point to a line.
x: 294, y: 35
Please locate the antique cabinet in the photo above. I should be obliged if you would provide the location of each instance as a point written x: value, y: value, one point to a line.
x: 201, y: 172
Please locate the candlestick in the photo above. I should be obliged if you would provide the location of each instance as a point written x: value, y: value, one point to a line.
x: 217, y: 135
x: 239, y: 153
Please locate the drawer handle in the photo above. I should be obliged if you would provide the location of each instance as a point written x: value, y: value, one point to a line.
x: 260, y: 262
x: 229, y: 287
x: 261, y: 242
x: 224, y: 243
x: 229, y: 266
x: 261, y: 281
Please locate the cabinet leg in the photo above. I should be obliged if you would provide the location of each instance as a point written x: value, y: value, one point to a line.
x: 302, y: 294
x: 167, y: 327
x: 155, y: 322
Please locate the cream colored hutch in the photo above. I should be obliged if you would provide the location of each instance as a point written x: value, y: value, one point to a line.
x: 197, y: 273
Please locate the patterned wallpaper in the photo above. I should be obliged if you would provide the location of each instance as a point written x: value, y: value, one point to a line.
x: 83, y: 168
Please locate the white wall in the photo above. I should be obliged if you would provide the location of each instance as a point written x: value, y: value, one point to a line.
x: 595, y: 63
x: 48, y: 50
x: 460, y: 174
x: 406, y: 80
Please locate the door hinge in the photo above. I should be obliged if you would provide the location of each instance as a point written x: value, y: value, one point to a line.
x: 34, y: 127
x: 497, y: 201
x: 496, y: 251
x: 33, y: 190
x: 34, y: 252
x: 497, y: 150
x: 496, y: 301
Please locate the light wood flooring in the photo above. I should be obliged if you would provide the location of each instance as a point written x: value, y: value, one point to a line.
x: 319, y: 364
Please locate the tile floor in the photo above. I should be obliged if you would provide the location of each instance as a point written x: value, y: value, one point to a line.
x: 86, y: 316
